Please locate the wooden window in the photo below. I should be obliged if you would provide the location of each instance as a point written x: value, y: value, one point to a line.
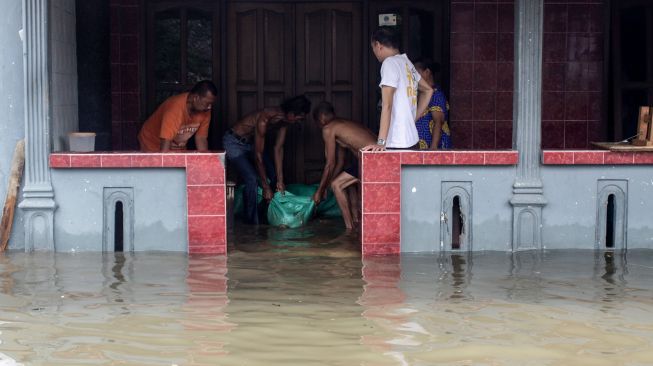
x: 182, y: 48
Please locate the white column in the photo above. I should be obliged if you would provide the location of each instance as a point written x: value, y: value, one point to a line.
x: 528, y: 199
x: 38, y: 196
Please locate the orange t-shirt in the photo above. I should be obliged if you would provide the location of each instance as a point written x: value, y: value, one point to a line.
x: 171, y: 121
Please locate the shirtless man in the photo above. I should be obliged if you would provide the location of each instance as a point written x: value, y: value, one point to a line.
x: 245, y: 142
x: 342, y: 135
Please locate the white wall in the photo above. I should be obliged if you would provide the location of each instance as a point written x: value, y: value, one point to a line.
x: 12, y: 109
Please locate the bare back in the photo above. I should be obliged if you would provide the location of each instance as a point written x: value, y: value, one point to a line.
x: 351, y: 135
x: 246, y: 126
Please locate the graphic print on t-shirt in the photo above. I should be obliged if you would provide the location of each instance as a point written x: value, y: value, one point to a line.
x: 411, y: 88
x: 183, y: 135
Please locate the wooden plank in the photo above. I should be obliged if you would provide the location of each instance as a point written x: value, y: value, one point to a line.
x: 619, y: 146
x: 15, y: 176
x: 644, y: 133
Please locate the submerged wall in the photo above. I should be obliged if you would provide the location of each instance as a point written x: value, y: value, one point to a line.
x: 572, y: 217
x: 575, y: 216
x: 424, y: 196
x: 12, y: 109
x: 168, y: 201
x: 595, y: 199
x: 86, y: 208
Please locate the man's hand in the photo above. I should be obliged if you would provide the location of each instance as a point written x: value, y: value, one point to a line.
x: 281, y: 188
x: 267, y: 193
x: 374, y: 147
x: 317, y: 197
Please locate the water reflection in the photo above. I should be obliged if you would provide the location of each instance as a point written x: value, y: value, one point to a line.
x: 525, y: 276
x: 474, y: 309
x: 610, y: 270
x: 205, y: 308
x: 320, y: 303
x: 149, y: 309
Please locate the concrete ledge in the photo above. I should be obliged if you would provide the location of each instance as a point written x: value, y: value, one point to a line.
x: 449, y: 157
x: 596, y: 157
x: 205, y: 187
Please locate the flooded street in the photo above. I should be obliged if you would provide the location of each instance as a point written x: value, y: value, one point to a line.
x: 305, y: 297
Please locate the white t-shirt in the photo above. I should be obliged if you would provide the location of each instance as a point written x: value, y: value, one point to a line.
x: 398, y: 72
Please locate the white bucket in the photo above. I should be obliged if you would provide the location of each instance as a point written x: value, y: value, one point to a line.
x: 81, y: 141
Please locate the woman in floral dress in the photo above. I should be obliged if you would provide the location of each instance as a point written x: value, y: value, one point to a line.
x: 433, y: 127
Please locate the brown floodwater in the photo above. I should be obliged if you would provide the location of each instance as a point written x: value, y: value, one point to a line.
x: 305, y: 297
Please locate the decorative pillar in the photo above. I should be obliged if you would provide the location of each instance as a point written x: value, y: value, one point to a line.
x: 38, y: 196
x: 528, y: 198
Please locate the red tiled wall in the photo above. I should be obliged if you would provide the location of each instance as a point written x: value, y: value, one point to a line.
x: 572, y: 73
x: 482, y: 54
x: 482, y: 44
x: 125, y: 74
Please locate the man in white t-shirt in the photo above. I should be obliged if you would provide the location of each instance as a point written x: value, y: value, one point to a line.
x: 401, y: 103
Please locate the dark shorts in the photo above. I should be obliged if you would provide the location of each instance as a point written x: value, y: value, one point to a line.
x: 353, y: 169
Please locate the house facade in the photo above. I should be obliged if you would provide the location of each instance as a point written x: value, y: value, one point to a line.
x: 522, y: 77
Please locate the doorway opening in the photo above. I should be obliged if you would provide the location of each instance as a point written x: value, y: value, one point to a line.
x: 456, y: 223
x: 118, y: 239
x: 610, y: 223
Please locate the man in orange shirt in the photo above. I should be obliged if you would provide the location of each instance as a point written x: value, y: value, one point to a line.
x: 178, y: 118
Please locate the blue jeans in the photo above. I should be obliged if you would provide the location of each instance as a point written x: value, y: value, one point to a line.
x: 240, y: 155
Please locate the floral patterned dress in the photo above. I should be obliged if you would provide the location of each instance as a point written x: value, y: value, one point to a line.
x: 426, y: 124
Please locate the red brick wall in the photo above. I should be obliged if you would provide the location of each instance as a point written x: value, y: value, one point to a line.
x: 125, y: 74
x: 482, y: 53
x: 572, y: 74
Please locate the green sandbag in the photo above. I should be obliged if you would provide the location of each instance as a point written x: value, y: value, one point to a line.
x: 327, y: 207
x: 306, y: 190
x: 289, y: 210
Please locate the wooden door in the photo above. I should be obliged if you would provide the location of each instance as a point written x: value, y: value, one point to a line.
x: 329, y: 67
x: 277, y: 50
x: 260, y: 60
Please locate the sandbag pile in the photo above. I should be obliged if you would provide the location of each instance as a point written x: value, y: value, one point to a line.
x: 294, y: 208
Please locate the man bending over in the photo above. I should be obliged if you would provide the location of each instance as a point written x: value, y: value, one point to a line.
x: 339, y: 136
x: 244, y: 145
x: 178, y: 118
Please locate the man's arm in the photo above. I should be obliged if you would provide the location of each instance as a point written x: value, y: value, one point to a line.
x: 387, y: 95
x: 201, y: 143
x: 165, y: 145
x: 330, y: 155
x: 278, y: 158
x: 340, y: 165
x: 423, y: 98
x: 259, y: 148
x: 201, y: 136
x: 438, y: 120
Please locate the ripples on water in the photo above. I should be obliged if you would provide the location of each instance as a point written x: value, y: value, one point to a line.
x: 301, y: 298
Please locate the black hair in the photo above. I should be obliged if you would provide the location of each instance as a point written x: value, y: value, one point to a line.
x: 203, y: 87
x: 324, y: 108
x: 296, y: 105
x: 426, y: 64
x: 387, y: 36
